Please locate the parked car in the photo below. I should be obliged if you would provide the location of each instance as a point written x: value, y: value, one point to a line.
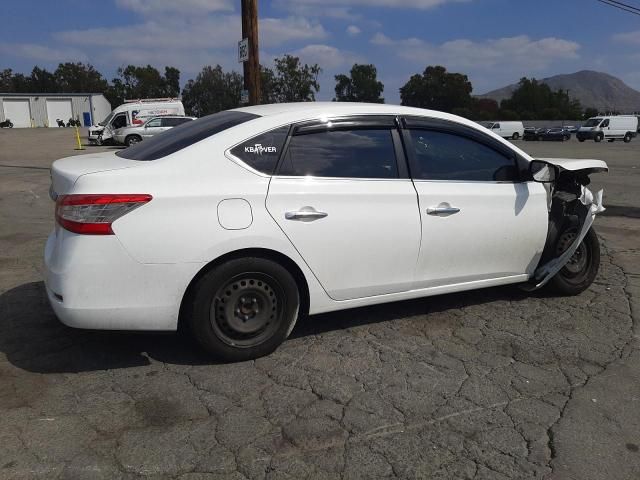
x: 131, y: 113
x: 611, y: 128
x: 134, y: 134
x: 236, y: 224
x: 554, y: 134
x: 513, y: 130
x: 531, y: 133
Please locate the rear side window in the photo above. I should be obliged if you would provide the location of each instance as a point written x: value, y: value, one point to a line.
x: 174, y: 122
x: 447, y: 156
x: 185, y: 135
x: 261, y: 153
x: 360, y: 153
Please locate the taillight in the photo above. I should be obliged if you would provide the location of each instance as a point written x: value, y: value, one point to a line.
x: 94, y: 214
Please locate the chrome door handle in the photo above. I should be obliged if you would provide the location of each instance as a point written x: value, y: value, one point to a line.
x: 305, y: 214
x: 442, y: 210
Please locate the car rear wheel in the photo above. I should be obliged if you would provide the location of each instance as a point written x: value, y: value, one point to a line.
x: 627, y: 138
x: 515, y: 136
x: 244, y: 308
x: 581, y: 270
x: 132, y: 140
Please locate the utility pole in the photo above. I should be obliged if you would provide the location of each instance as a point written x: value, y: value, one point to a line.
x: 251, y: 67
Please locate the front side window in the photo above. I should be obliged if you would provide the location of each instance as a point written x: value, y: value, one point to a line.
x: 358, y: 153
x: 605, y: 124
x: 153, y: 123
x: 119, y: 121
x: 447, y: 156
x: 262, y: 152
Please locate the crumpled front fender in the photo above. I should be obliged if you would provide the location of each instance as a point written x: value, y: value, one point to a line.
x: 591, y: 206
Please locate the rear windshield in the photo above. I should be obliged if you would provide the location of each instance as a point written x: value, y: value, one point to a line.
x: 184, y: 135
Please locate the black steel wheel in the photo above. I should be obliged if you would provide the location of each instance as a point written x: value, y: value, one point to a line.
x: 581, y: 270
x: 244, y: 308
x: 627, y: 138
x: 598, y: 138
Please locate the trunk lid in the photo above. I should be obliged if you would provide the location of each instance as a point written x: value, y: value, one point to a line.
x: 66, y: 171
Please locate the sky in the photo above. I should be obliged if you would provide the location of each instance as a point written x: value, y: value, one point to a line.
x: 494, y: 42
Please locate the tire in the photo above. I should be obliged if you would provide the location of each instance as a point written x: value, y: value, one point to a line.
x: 580, y: 139
x: 132, y: 140
x: 627, y: 138
x: 598, y: 138
x: 515, y: 136
x: 582, y: 269
x: 243, y: 309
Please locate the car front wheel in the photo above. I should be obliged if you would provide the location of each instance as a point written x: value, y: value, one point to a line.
x: 598, y: 138
x: 132, y: 140
x: 581, y: 270
x: 244, y: 308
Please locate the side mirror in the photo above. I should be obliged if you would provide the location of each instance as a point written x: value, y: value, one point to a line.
x: 542, y: 171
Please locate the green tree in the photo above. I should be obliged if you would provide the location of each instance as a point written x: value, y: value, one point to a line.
x: 212, y: 90
x: 590, y: 112
x: 143, y: 82
x: 79, y: 78
x: 42, y: 81
x: 290, y: 81
x: 537, y: 100
x: 361, y: 85
x: 437, y: 89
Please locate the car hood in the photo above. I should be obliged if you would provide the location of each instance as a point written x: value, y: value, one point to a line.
x: 577, y: 164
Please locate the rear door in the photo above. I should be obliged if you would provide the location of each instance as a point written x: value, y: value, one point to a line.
x: 342, y: 196
x: 479, y: 221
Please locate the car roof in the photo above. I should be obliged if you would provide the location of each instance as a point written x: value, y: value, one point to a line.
x: 336, y: 108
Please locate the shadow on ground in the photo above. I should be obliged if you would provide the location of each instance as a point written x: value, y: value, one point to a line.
x: 34, y: 340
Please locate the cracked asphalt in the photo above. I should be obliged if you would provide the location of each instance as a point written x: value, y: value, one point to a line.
x: 490, y: 384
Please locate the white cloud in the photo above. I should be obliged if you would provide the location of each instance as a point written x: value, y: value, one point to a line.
x: 353, y: 30
x: 631, y: 38
x: 43, y: 53
x: 182, y: 7
x: 486, y: 54
x: 328, y: 57
x: 405, y: 4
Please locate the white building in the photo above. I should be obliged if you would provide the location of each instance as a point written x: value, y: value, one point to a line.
x: 43, y: 109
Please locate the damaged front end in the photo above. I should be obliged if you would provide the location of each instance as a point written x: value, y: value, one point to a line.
x: 572, y: 210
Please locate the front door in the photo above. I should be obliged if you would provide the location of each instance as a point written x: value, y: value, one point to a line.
x: 340, y: 197
x: 479, y: 221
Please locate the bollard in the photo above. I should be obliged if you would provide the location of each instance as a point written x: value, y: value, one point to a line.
x: 79, y: 147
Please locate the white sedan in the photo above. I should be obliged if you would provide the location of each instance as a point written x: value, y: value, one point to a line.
x: 237, y: 224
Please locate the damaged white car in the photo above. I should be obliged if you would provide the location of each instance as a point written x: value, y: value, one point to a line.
x: 235, y: 225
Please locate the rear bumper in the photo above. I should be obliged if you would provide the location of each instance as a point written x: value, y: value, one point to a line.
x: 93, y: 283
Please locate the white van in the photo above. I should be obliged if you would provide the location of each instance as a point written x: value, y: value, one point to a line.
x: 131, y: 113
x: 623, y: 127
x: 513, y: 130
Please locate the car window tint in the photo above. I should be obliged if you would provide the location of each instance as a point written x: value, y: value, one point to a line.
x: 261, y: 153
x: 342, y: 153
x: 119, y: 121
x: 446, y: 156
x: 168, y: 122
x: 605, y: 123
x: 185, y: 135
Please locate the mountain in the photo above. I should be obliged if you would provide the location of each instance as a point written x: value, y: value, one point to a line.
x: 594, y: 89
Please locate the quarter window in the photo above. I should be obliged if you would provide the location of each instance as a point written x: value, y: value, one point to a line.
x: 262, y: 152
x: 366, y: 153
x: 446, y: 156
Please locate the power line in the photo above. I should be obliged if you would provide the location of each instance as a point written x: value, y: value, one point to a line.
x: 622, y: 6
